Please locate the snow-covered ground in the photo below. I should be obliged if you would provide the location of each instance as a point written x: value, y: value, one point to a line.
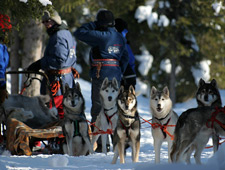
x: 99, y: 161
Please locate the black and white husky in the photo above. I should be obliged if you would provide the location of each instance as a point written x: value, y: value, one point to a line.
x: 107, y: 118
x: 163, y: 117
x: 75, y: 127
x: 127, y: 132
x: 207, y: 95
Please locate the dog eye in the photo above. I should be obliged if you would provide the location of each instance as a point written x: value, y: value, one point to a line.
x: 163, y: 99
x: 107, y: 90
x: 113, y: 91
x: 210, y: 91
x: 156, y: 99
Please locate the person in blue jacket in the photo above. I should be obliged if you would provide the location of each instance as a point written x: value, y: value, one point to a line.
x: 59, y: 57
x: 4, y: 60
x: 108, y: 55
x: 5, y: 27
x: 129, y: 76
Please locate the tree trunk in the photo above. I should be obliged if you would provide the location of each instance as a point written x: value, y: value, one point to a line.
x: 32, y: 47
x: 173, y: 81
x: 14, y: 61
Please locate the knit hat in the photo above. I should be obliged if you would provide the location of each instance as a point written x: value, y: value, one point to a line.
x: 120, y: 24
x: 105, y: 17
x: 53, y: 16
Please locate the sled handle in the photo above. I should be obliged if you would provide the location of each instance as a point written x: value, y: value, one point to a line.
x: 36, y: 72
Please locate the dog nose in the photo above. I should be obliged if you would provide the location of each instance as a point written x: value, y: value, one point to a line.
x: 159, y: 105
x: 110, y: 98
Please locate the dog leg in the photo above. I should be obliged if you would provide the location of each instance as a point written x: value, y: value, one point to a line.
x: 170, y: 143
x: 184, y: 146
x: 188, y: 153
x: 85, y: 136
x: 116, y: 155
x: 121, y: 148
x: 104, y: 139
x: 135, y: 151
x: 216, y: 139
x: 157, y: 146
x: 94, y: 138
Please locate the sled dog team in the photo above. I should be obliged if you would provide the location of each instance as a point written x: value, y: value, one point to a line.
x: 185, y: 134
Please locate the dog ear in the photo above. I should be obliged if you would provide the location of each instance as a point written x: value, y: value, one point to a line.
x: 115, y: 83
x: 213, y: 83
x: 131, y: 90
x: 77, y: 85
x: 66, y: 88
x: 105, y: 82
x: 166, y: 91
x: 153, y: 91
x: 201, y: 82
x: 121, y: 89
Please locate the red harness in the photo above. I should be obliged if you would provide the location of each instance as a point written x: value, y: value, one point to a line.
x: 213, y: 118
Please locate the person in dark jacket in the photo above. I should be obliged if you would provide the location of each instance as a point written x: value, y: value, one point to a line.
x: 108, y: 55
x: 129, y: 76
x: 59, y: 57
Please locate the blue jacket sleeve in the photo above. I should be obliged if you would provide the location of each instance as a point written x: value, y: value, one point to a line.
x: 89, y: 30
x: 4, y: 60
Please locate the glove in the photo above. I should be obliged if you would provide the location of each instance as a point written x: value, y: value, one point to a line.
x: 3, y: 95
x: 36, y: 66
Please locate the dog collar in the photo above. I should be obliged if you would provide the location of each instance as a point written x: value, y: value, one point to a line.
x: 108, y: 109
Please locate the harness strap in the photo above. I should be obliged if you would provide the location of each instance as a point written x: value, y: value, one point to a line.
x: 213, y: 118
x: 164, y: 127
x: 109, y: 117
x: 60, y: 71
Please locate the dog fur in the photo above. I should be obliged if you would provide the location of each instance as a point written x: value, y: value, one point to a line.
x: 193, y: 126
x: 162, y: 114
x: 127, y: 132
x: 75, y: 127
x: 207, y: 95
x: 107, y: 117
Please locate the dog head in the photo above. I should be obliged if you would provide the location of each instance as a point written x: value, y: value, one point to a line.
x: 208, y: 94
x: 109, y: 92
x: 160, y: 102
x: 73, y: 98
x: 127, y: 99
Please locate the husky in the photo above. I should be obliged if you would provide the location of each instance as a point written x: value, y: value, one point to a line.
x: 196, y: 126
x: 42, y: 115
x: 207, y: 95
x: 107, y: 118
x: 163, y: 116
x: 75, y: 127
x: 127, y: 132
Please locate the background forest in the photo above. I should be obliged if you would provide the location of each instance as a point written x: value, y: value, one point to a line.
x: 194, y: 32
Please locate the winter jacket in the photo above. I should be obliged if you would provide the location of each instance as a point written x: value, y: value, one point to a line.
x: 4, y: 60
x: 106, y: 44
x: 60, y: 53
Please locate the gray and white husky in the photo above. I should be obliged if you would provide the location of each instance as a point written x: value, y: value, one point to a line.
x: 196, y: 126
x: 75, y: 126
x: 127, y: 132
x: 107, y: 117
x: 163, y: 117
x: 207, y: 95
